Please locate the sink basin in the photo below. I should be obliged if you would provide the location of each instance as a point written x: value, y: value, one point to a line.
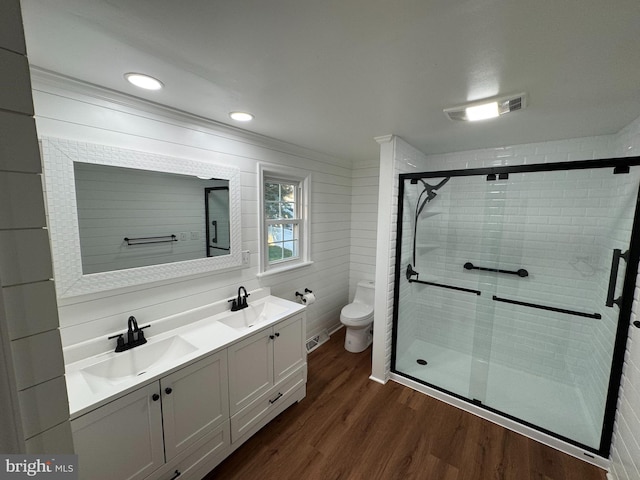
x: 131, y: 363
x: 253, y: 316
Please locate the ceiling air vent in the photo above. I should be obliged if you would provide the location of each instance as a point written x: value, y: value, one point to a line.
x: 489, y: 108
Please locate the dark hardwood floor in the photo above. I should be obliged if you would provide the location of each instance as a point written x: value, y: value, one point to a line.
x: 349, y: 427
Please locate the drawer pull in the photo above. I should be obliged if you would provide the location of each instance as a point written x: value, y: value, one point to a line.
x: 275, y: 399
x: 176, y: 475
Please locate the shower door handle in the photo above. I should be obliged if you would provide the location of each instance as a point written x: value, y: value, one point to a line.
x: 613, y: 278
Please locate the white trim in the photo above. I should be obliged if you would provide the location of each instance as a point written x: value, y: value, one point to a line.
x: 287, y: 268
x: 50, y: 82
x: 376, y: 379
x: 279, y: 172
x: 534, y: 434
x: 384, y: 245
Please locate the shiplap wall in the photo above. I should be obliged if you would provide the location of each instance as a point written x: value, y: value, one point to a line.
x: 364, y: 219
x: 72, y: 110
x: 34, y: 411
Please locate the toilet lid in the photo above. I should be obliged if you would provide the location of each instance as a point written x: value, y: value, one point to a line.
x: 357, y: 310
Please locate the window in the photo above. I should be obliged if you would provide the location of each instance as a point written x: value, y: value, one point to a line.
x: 282, y: 219
x: 284, y: 207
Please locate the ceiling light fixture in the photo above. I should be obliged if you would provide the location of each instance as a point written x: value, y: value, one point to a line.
x: 485, y: 109
x: 241, y: 116
x: 143, y: 81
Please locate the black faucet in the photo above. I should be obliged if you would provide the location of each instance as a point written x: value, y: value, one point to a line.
x: 132, y: 329
x: 135, y: 336
x: 241, y: 301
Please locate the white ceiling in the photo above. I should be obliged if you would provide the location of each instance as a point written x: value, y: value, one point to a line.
x: 331, y: 75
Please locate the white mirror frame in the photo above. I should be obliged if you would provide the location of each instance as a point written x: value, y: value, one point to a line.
x: 58, y: 157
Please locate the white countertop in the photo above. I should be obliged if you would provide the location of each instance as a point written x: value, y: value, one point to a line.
x: 196, y: 340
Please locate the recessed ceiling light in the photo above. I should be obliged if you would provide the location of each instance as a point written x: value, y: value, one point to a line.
x: 241, y: 116
x: 143, y: 81
x: 483, y: 110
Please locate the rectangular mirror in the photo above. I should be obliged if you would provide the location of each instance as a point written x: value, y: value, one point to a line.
x: 121, y: 217
x: 131, y: 218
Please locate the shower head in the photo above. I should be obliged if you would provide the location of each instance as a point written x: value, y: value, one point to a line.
x: 430, y: 190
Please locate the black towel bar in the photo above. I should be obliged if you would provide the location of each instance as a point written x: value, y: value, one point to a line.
x: 441, y: 285
x: 597, y: 316
x: 146, y: 240
x: 521, y: 272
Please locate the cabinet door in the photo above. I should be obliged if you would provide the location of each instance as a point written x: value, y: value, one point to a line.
x: 250, y: 369
x: 195, y: 401
x: 121, y: 440
x: 288, y: 348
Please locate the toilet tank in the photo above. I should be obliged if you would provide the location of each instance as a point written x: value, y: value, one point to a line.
x: 365, y: 292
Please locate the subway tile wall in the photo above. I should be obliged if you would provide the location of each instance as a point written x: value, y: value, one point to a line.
x: 625, y: 453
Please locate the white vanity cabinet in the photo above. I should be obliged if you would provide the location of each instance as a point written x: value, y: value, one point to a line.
x: 122, y: 439
x: 186, y: 422
x: 267, y: 373
x: 149, y: 430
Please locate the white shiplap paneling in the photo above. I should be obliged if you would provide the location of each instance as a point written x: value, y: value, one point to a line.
x: 78, y: 112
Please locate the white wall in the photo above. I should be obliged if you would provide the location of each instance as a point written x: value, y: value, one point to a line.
x: 75, y: 111
x: 364, y: 219
x: 33, y: 404
x: 625, y: 454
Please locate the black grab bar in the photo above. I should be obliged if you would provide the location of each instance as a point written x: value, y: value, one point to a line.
x: 521, y: 273
x: 597, y: 316
x: 441, y: 285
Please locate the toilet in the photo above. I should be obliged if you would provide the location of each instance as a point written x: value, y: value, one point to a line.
x: 357, y: 317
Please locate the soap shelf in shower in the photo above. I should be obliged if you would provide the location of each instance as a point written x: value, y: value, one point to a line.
x: 429, y: 213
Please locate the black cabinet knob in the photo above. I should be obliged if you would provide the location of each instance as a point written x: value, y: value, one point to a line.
x: 155, y: 397
x: 271, y: 337
x: 277, y: 334
x: 168, y: 390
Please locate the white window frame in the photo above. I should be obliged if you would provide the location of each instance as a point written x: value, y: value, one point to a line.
x: 303, y: 196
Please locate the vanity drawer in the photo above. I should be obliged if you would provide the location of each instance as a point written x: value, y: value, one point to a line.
x: 206, y: 455
x: 276, y: 400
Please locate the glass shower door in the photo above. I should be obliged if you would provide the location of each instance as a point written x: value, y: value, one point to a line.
x: 553, y: 334
x: 438, y: 306
x: 508, y: 291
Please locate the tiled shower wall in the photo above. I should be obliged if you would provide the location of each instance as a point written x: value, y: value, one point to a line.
x: 625, y: 453
x: 625, y: 143
x: 556, y: 225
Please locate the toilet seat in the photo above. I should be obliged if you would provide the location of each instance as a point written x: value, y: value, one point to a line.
x: 356, y: 312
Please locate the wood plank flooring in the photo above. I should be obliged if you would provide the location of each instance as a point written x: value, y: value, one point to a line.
x: 349, y: 427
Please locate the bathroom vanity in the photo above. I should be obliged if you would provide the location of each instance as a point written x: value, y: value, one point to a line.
x: 178, y: 405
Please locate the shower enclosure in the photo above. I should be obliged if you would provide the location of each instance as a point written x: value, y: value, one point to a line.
x: 513, y: 290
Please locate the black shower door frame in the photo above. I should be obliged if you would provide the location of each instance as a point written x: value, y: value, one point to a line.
x: 620, y: 166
